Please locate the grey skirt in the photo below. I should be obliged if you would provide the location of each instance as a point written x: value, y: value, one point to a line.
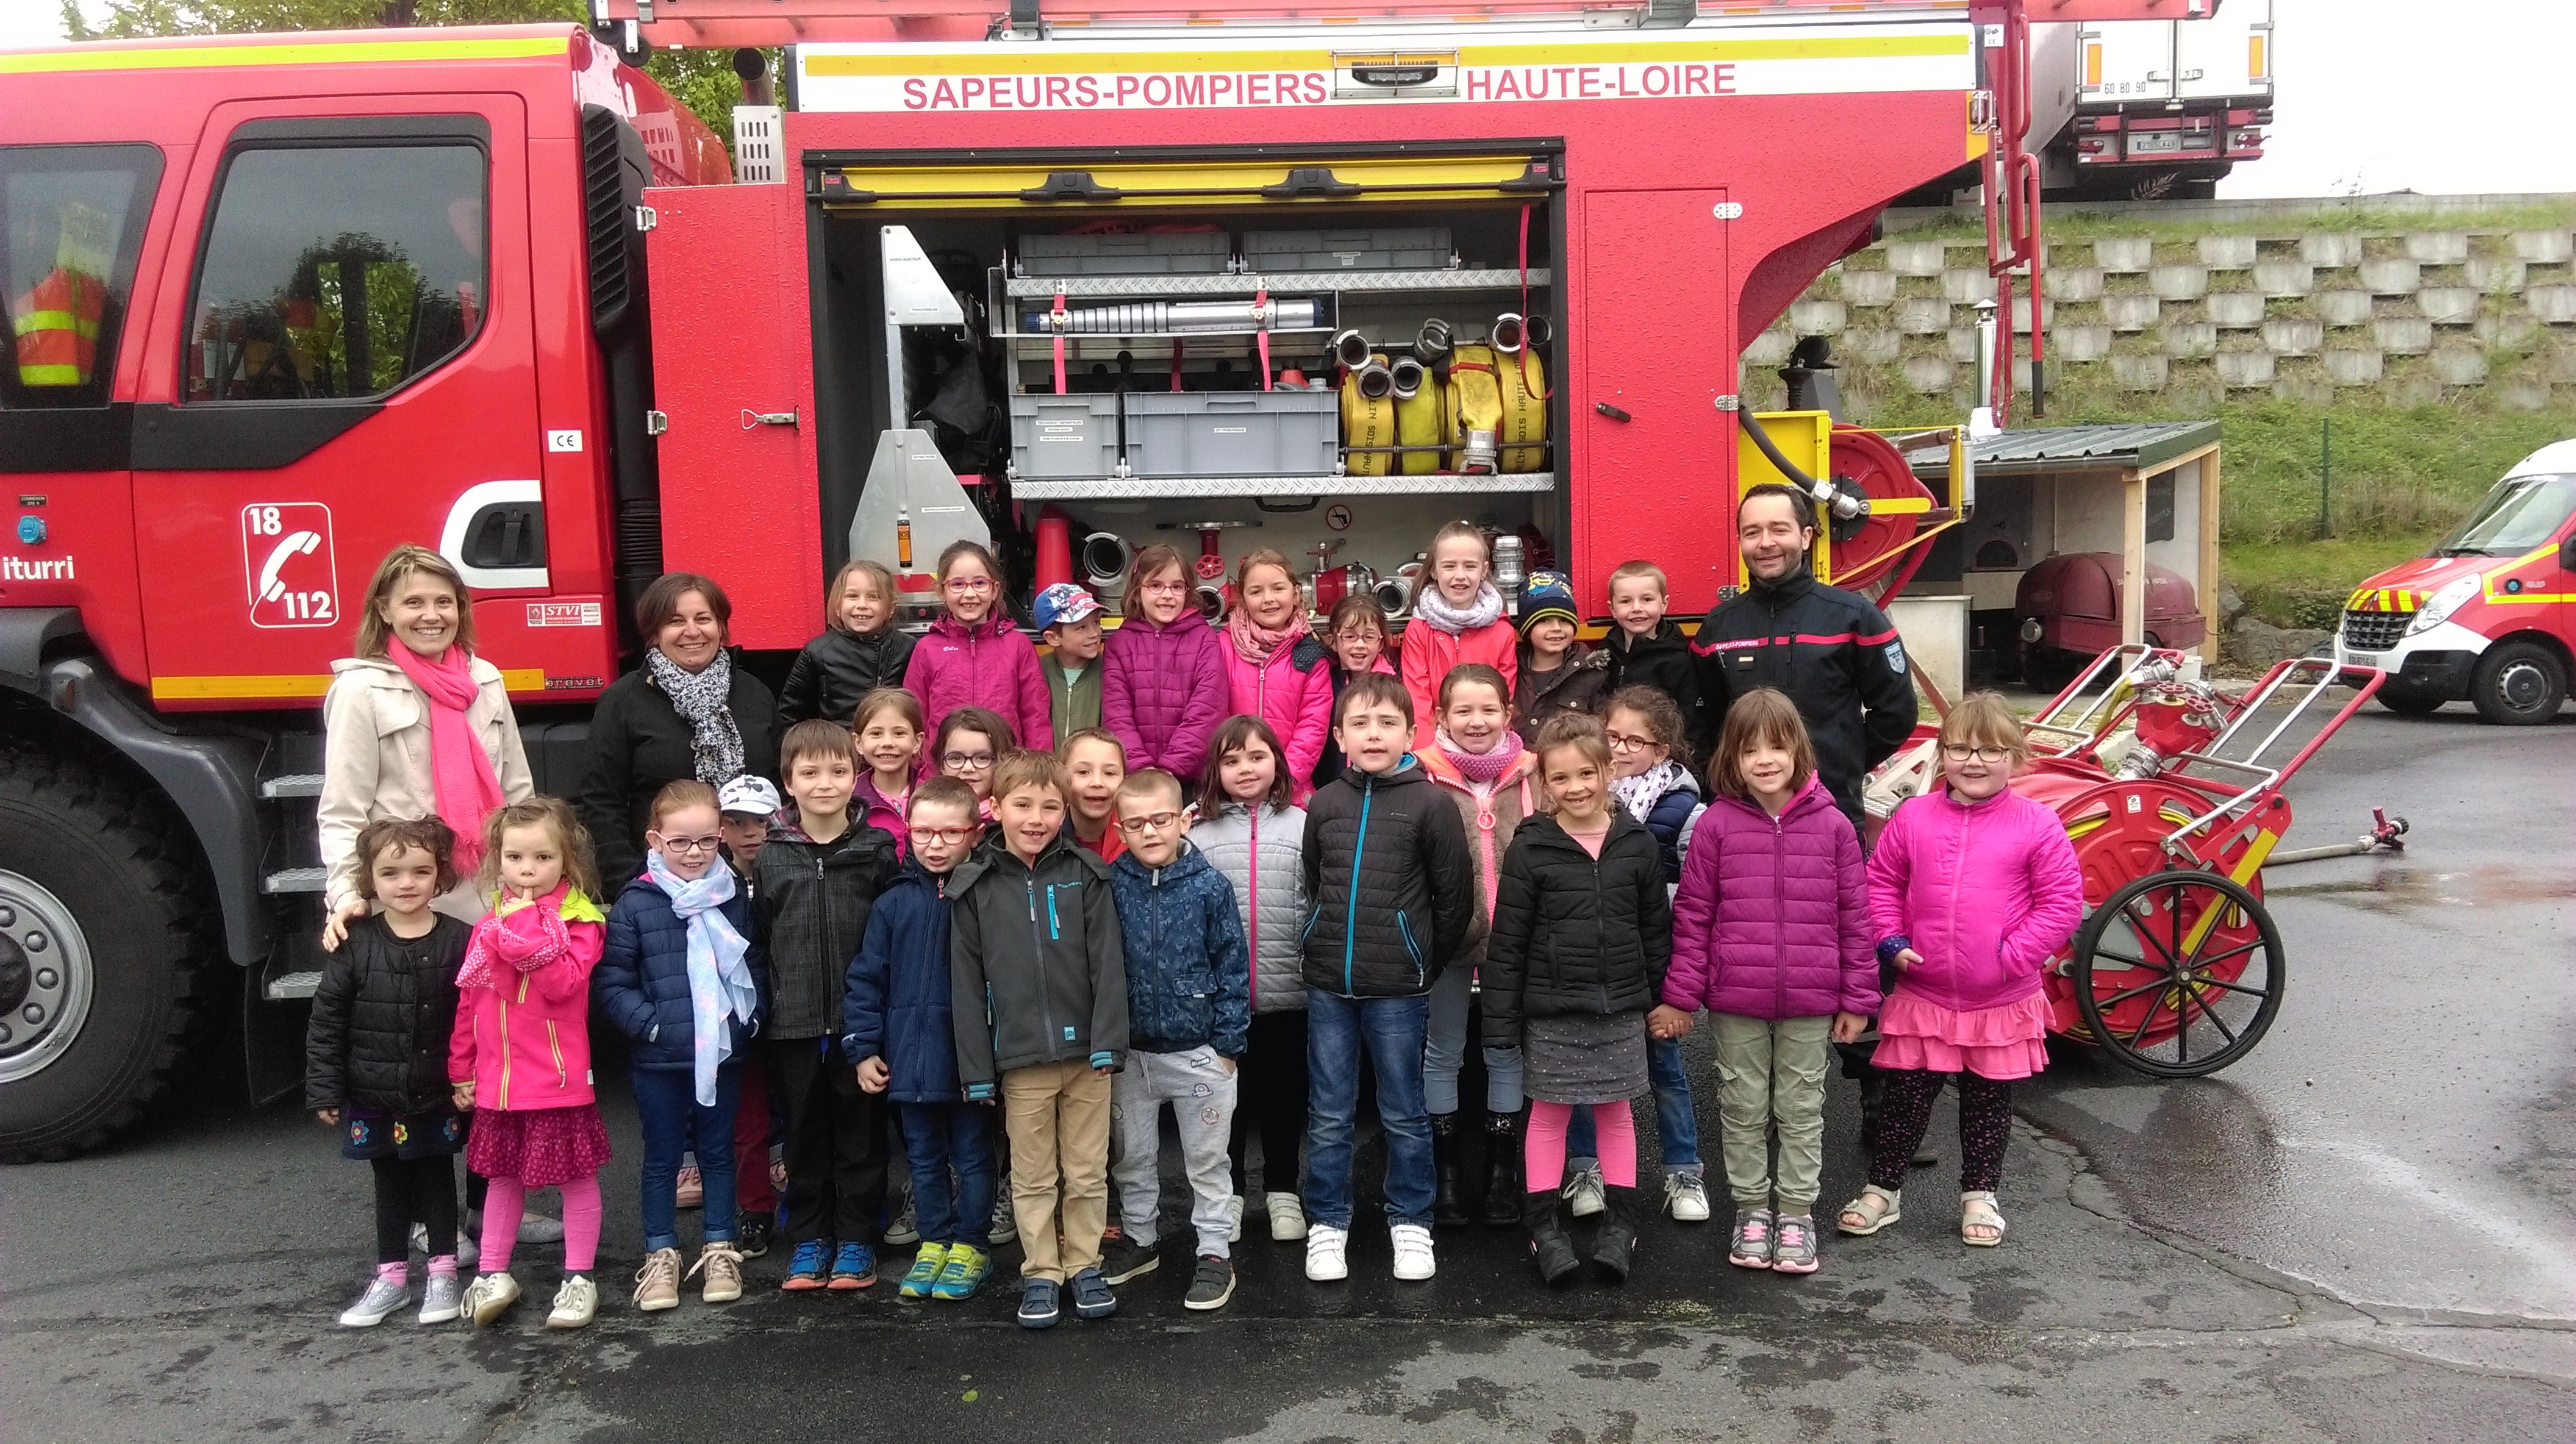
x: 1579, y: 1058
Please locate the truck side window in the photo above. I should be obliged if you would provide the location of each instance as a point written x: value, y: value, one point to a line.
x: 74, y: 216
x: 338, y: 271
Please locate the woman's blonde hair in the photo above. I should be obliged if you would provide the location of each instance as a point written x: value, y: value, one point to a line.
x: 373, y: 632
x: 879, y: 579
x: 555, y: 816
x: 1763, y: 717
x: 1985, y: 719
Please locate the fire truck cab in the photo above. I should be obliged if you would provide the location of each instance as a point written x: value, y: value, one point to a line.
x: 2489, y: 616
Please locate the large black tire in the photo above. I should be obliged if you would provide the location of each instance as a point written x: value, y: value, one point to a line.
x: 106, y: 921
x: 2408, y: 701
x: 2519, y: 684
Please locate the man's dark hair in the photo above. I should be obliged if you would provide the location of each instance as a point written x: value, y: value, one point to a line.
x: 1801, y: 506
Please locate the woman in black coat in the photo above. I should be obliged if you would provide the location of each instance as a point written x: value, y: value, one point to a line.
x: 688, y: 711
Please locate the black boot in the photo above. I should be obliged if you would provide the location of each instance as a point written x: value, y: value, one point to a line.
x: 1448, y: 1210
x: 1502, y: 1169
x: 1550, y: 1249
x: 1617, y: 1237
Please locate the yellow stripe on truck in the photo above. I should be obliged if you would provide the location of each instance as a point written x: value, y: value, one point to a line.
x: 1009, y: 60
x: 320, y: 52
x: 293, y: 686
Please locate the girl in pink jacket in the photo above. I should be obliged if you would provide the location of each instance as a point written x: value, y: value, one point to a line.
x: 1162, y: 676
x: 520, y: 1055
x: 975, y: 655
x: 1276, y: 669
x: 1457, y: 617
x: 1971, y: 890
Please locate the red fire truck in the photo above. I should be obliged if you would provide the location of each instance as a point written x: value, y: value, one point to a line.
x: 1066, y: 278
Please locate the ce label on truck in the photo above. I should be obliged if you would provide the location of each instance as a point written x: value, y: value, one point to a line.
x: 286, y: 558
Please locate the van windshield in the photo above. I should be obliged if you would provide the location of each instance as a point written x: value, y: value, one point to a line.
x: 2523, y: 512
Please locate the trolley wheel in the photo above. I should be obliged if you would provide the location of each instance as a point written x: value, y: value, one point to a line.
x: 2179, y: 973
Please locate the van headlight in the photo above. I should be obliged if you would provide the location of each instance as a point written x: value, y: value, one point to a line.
x: 2443, y: 603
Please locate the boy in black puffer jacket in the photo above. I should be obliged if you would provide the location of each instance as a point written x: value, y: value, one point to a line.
x: 1394, y: 892
x: 1189, y: 1008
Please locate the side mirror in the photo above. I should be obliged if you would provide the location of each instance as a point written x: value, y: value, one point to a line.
x: 2567, y: 553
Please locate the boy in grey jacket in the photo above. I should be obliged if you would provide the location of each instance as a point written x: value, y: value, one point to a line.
x: 1039, y: 982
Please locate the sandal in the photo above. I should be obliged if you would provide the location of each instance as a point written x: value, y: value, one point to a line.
x: 1875, y: 1209
x: 1977, y: 1210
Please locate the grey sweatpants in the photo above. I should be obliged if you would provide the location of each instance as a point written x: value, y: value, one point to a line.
x: 1200, y: 1087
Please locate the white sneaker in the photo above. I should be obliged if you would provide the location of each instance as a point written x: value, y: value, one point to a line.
x: 1287, y: 1218
x: 1234, y: 1216
x: 1326, y: 1262
x: 1685, y: 1198
x: 575, y: 1303
x: 1582, y: 1191
x: 1413, y: 1261
x: 488, y: 1296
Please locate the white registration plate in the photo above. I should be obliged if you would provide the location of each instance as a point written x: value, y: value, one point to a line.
x: 2154, y: 142
x: 2361, y: 659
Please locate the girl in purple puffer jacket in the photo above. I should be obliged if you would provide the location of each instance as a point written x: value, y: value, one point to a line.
x: 1163, y: 686
x: 1971, y: 891
x: 1771, y: 935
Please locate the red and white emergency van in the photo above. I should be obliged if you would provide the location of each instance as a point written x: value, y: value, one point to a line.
x: 2489, y: 616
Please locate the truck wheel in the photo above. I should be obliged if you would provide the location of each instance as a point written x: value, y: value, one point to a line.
x: 2518, y: 684
x: 2408, y: 701
x: 101, y: 929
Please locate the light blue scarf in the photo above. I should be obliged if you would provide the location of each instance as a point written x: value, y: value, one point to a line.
x: 720, y: 983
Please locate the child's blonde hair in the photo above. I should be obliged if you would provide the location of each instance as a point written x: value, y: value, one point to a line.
x: 898, y: 700
x: 1763, y: 717
x: 1474, y: 674
x: 1629, y: 571
x: 1462, y: 530
x: 880, y: 581
x: 1023, y: 767
x: 1262, y: 557
x: 1573, y: 729
x: 687, y: 792
x: 1080, y: 735
x: 555, y: 815
x: 1985, y: 719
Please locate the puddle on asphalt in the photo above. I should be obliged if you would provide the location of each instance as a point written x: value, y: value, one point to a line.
x: 2396, y: 887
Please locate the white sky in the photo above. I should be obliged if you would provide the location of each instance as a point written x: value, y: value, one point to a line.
x: 2439, y: 96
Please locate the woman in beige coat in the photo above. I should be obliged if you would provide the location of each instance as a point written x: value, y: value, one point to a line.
x: 378, y: 740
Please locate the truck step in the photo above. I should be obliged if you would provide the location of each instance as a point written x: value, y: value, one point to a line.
x: 293, y: 784
x: 293, y: 985
x: 295, y: 879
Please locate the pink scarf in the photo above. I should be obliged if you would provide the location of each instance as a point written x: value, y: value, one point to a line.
x: 1483, y: 770
x: 1486, y: 768
x: 1256, y: 643
x: 460, y: 773
x: 527, y: 936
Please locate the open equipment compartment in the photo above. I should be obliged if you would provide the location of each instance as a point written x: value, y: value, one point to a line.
x: 1127, y: 342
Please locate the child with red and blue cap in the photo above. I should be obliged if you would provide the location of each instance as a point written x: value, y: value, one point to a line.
x: 1068, y: 617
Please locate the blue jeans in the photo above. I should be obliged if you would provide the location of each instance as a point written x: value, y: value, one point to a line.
x: 1676, y: 1128
x: 936, y: 1138
x: 666, y: 1103
x: 1444, y: 1051
x: 1390, y: 1031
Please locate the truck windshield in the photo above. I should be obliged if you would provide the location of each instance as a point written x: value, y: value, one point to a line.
x: 2523, y: 512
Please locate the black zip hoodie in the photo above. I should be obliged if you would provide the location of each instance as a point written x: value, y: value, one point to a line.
x: 1036, y: 971
x: 1393, y: 885
x: 1661, y: 659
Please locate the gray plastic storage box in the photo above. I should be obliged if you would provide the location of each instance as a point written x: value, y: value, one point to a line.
x: 1233, y: 433
x: 1064, y: 436
x: 1379, y: 248
x: 1193, y: 253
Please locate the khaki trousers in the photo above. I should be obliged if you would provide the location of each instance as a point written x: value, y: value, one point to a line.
x: 1772, y: 1073
x: 1057, y: 1116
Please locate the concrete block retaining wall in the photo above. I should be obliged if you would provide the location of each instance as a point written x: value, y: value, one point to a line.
x: 2413, y: 316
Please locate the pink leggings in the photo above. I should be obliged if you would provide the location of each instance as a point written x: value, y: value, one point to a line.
x: 1543, y: 1153
x: 508, y: 1198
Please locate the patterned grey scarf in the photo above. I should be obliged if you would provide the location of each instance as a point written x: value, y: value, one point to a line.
x: 700, y: 696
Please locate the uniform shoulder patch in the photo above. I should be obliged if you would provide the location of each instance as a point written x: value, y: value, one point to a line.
x: 1896, y: 657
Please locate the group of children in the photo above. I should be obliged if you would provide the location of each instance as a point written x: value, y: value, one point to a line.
x: 1251, y: 858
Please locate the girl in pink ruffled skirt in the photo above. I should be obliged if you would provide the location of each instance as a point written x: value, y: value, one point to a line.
x: 1971, y: 890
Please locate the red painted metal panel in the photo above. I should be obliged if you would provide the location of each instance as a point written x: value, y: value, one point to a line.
x: 732, y: 341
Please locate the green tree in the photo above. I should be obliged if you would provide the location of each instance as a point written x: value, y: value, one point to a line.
x: 702, y: 80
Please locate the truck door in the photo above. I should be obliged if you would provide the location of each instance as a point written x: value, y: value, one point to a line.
x: 2127, y: 61
x: 2226, y: 57
x: 350, y: 352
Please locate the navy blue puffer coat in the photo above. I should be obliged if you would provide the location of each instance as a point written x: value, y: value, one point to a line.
x: 642, y: 981
x: 1189, y: 975
x: 895, y: 1003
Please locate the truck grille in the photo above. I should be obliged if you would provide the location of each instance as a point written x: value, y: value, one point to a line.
x: 2374, y: 631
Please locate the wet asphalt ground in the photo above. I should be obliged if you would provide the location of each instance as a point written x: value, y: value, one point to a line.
x: 2364, y: 1231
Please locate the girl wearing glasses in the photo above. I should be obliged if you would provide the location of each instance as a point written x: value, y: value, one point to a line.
x: 683, y: 977
x: 975, y: 655
x: 969, y: 741
x: 1971, y: 890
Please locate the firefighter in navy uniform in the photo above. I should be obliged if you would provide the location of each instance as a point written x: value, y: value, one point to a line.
x: 1834, y: 654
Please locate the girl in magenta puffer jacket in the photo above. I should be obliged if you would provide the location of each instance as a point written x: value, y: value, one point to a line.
x: 975, y: 655
x: 1971, y: 891
x: 1163, y: 686
x: 1276, y: 668
x: 1771, y: 935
